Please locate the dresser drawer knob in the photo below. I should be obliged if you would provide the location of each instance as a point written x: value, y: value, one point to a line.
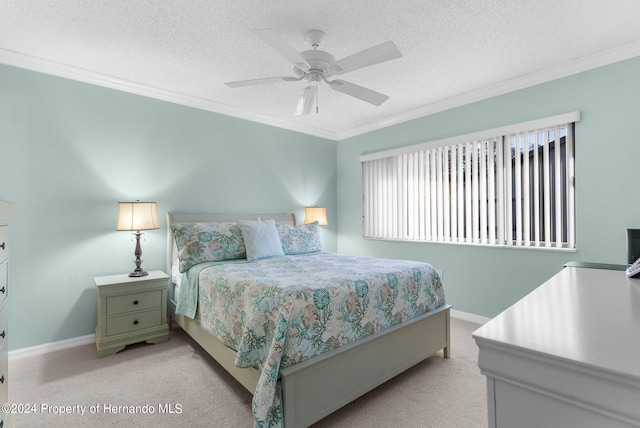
x: 135, y: 302
x: 135, y: 322
x: 2, y: 379
x: 3, y: 334
x: 2, y: 290
x: 3, y: 246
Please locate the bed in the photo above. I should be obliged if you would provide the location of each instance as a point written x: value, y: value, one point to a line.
x: 283, y: 353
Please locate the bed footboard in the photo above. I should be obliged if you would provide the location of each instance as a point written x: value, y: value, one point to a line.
x: 321, y: 385
x: 317, y: 387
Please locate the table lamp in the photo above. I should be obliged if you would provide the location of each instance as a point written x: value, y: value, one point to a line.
x: 137, y: 216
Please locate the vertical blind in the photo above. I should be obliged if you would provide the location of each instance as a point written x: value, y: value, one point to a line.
x: 510, y: 186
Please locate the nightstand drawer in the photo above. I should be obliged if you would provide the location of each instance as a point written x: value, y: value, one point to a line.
x: 133, y: 322
x: 134, y: 302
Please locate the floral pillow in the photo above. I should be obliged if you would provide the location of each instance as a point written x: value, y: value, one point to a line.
x: 207, y: 242
x: 300, y: 239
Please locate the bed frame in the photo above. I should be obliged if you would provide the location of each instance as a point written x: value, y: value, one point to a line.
x: 315, y: 388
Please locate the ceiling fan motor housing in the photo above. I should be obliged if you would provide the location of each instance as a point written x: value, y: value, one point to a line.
x: 318, y: 61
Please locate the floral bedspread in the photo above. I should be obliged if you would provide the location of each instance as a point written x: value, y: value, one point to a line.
x: 279, y: 311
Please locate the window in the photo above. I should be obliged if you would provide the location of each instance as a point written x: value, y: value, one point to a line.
x: 512, y: 186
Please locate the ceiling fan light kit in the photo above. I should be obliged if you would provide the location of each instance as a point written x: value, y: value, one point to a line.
x: 315, y: 65
x: 308, y: 97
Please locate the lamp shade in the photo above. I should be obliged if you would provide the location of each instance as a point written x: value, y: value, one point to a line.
x: 318, y: 214
x: 137, y: 216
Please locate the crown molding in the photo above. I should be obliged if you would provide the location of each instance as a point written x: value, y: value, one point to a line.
x: 28, y: 62
x: 600, y: 59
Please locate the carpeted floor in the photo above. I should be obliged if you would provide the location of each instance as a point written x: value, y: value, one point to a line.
x: 177, y: 384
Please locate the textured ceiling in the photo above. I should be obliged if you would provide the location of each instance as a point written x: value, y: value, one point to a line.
x: 185, y: 50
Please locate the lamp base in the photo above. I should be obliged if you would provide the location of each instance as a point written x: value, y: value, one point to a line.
x: 137, y: 273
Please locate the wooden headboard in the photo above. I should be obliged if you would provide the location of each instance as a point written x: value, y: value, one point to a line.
x: 172, y: 218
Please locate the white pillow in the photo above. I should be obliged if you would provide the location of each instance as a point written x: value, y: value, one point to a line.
x: 261, y: 239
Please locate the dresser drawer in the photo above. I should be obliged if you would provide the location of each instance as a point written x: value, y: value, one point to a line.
x: 132, y: 322
x: 4, y: 245
x: 4, y: 322
x: 4, y: 282
x: 134, y: 302
x: 4, y: 373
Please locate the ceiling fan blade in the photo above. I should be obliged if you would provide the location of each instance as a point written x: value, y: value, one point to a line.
x: 308, y: 97
x: 360, y: 92
x: 374, y: 55
x: 252, y: 82
x: 280, y: 45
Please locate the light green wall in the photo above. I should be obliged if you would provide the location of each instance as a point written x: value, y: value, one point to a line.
x: 70, y: 151
x: 485, y: 281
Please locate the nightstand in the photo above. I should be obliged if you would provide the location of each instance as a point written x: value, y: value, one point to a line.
x: 131, y: 310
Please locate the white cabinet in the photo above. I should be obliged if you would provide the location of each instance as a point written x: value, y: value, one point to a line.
x: 567, y: 354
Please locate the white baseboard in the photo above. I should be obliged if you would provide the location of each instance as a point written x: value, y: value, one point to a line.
x: 33, y: 351
x: 91, y: 338
x: 465, y: 316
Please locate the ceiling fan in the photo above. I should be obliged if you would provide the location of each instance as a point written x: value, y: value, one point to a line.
x: 316, y: 66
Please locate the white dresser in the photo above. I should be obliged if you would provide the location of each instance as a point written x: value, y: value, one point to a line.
x: 6, y: 209
x: 567, y: 354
